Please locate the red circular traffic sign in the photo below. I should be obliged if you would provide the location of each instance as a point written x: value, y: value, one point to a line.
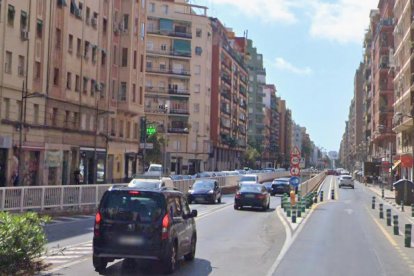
x: 295, y: 171
x: 294, y: 160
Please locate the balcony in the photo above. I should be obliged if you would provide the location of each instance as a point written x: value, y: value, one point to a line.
x: 179, y: 92
x: 183, y: 130
x: 242, y: 90
x: 171, y: 53
x: 180, y: 111
x: 226, y: 93
x: 155, y: 90
x: 173, y: 33
x: 225, y: 110
x: 168, y: 71
x: 226, y: 79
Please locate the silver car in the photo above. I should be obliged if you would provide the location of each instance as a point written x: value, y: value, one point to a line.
x: 346, y: 180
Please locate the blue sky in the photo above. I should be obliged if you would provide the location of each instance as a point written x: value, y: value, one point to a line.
x: 311, y: 50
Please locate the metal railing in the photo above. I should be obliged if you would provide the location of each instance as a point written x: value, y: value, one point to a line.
x: 40, y: 198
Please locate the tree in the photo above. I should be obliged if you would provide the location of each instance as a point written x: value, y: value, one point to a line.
x: 250, y: 156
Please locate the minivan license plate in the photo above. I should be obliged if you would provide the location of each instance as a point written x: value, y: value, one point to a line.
x: 130, y: 240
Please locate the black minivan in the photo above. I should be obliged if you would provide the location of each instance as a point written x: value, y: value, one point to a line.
x: 146, y: 224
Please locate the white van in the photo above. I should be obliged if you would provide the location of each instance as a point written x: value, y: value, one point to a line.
x: 154, y: 169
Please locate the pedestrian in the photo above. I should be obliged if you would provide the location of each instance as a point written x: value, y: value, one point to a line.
x: 397, y: 176
x: 14, y: 179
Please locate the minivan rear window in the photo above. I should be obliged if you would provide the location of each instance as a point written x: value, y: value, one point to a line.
x: 134, y: 206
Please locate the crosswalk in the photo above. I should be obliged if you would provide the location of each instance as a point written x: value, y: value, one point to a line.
x: 60, y: 256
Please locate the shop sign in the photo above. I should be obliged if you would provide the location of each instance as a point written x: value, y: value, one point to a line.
x: 53, y: 159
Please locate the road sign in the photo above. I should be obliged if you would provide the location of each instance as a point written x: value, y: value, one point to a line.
x: 294, y: 181
x: 294, y: 171
x: 295, y: 151
x: 146, y: 145
x: 294, y: 160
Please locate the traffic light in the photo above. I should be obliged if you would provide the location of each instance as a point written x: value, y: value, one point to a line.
x: 143, y: 129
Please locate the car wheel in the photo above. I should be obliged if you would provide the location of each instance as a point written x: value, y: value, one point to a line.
x: 99, y: 264
x: 236, y: 207
x: 190, y: 256
x: 170, y: 262
x: 219, y: 200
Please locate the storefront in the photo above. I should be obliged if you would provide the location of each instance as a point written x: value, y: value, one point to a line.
x: 92, y: 171
x: 5, y: 145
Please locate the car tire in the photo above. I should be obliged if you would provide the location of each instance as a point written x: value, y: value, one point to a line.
x: 170, y: 262
x: 99, y: 264
x: 190, y: 256
x: 268, y: 206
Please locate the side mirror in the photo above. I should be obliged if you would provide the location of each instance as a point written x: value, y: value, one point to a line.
x: 194, y: 213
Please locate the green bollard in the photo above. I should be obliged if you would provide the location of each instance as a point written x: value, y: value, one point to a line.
x: 373, y: 202
x: 388, y: 217
x: 407, y: 239
x: 381, y: 211
x: 288, y: 210
x: 303, y: 205
x: 299, y: 210
x: 294, y: 215
x: 396, y: 230
x: 332, y: 194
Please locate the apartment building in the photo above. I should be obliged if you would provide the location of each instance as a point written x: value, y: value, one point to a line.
x: 178, y: 82
x: 271, y: 151
x: 403, y: 81
x: 285, y: 130
x: 84, y: 88
x: 228, y: 99
x: 257, y: 82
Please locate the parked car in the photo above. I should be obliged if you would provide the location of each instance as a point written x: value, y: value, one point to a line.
x: 205, y: 190
x: 154, y: 169
x: 149, y: 224
x: 280, y: 186
x: 252, y: 195
x: 268, y: 186
x: 150, y: 182
x: 346, y: 180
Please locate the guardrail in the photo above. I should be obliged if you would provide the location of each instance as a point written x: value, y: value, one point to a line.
x: 40, y: 198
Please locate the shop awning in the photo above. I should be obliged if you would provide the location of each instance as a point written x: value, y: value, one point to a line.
x: 396, y: 164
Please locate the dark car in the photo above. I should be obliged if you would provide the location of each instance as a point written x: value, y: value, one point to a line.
x: 205, y: 190
x: 148, y: 224
x: 252, y: 195
x: 268, y: 186
x: 280, y: 186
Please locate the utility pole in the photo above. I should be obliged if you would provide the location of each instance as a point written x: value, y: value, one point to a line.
x: 95, y: 164
x: 20, y: 154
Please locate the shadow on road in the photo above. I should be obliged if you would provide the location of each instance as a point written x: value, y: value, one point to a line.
x: 199, y: 267
x: 59, y: 231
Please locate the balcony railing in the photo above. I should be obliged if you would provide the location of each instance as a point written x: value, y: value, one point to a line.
x: 152, y: 89
x: 178, y: 130
x: 181, y: 92
x: 180, y: 111
x: 170, y: 33
x: 170, y: 71
x: 226, y: 79
x: 174, y: 53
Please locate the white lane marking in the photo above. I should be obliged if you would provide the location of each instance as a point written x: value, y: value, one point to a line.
x: 330, y: 189
x: 60, y: 257
x: 67, y: 265
x: 289, y: 240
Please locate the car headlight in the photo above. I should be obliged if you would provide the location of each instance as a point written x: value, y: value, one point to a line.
x: 211, y: 191
x: 190, y: 191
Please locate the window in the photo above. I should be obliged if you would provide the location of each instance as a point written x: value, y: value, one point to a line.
x: 124, y: 57
x: 134, y: 93
x: 197, y: 69
x: 114, y: 55
x: 164, y: 9
x: 103, y: 57
x: 121, y: 128
x: 85, y: 85
x: 20, y: 67
x: 150, y: 45
x: 36, y: 114
x: 69, y: 81
x: 198, y: 51
x: 94, y: 52
x: 104, y: 25
x: 135, y: 135
x: 112, y: 126
x: 10, y: 15
x: 196, y: 108
x: 6, y: 108
x: 103, y: 93
x: 93, y: 83
x: 37, y: 70
x: 88, y: 14
x: 79, y: 47
x: 67, y: 117
x: 198, y: 32
x: 123, y: 92
x: 56, y: 76
x: 54, y: 116
x: 75, y: 119
x: 113, y: 89
x: 128, y: 130
x: 142, y: 64
x: 196, y: 88
x: 70, y: 43
x: 135, y: 59
x: 85, y: 54
x: 8, y: 65
x: 58, y: 38
x: 163, y: 67
x: 39, y: 28
x: 125, y: 21
x: 140, y: 95
x: 163, y: 47
x: 23, y: 20
x: 77, y: 83
x: 142, y: 35
x: 152, y: 7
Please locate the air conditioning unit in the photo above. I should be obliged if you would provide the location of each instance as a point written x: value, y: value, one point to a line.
x: 24, y: 35
x: 94, y: 22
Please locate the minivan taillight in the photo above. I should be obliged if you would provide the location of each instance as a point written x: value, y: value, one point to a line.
x: 238, y: 195
x: 261, y: 196
x: 98, y: 219
x: 165, y: 226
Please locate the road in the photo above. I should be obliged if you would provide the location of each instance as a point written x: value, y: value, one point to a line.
x: 225, y: 236
x: 343, y: 236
